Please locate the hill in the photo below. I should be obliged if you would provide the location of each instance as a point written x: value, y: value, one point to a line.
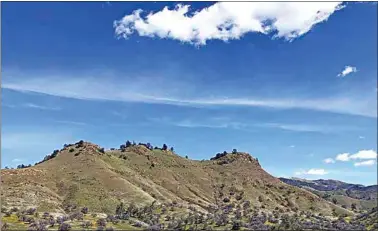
x: 347, y: 195
x: 84, y: 175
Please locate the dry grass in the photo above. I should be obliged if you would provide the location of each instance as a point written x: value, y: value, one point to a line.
x: 86, y: 177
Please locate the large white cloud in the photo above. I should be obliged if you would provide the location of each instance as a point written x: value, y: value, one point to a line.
x: 363, y: 154
x: 227, y: 20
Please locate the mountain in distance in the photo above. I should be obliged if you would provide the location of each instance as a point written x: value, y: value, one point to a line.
x: 347, y: 195
x: 230, y: 190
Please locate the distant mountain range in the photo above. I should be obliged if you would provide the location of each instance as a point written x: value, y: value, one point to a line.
x: 338, y: 192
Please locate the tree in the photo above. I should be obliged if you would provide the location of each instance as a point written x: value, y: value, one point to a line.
x: 80, y: 143
x: 64, y: 227
x: 186, y: 157
x: 122, y: 147
x: 353, y: 206
x: 102, y: 150
x: 101, y: 222
x: 128, y: 144
x: 120, y: 209
x: 172, y: 150
x: 334, y: 200
x: 54, y: 154
x: 21, y: 166
x: 165, y: 147
x: 234, y: 151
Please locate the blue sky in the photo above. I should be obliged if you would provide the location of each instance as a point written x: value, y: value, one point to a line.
x: 294, y: 85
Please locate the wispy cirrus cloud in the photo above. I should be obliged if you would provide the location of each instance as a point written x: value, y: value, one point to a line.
x: 319, y: 128
x: 313, y: 171
x: 249, y: 125
x: 40, y: 107
x: 17, y: 160
x: 365, y: 163
x: 70, y: 122
x: 227, y: 21
x: 103, y: 89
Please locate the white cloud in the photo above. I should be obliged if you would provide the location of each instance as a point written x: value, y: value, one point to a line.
x: 227, y: 21
x: 36, y: 106
x: 364, y: 154
x: 104, y: 89
x: 70, y: 122
x: 312, y: 171
x: 292, y: 146
x: 347, y: 70
x: 360, y: 155
x: 16, y: 160
x: 361, y: 137
x: 343, y: 157
x: 329, y: 161
x: 204, y: 123
x: 365, y: 163
x: 308, y: 127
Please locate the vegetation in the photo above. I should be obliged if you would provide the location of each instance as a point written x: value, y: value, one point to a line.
x: 140, y: 187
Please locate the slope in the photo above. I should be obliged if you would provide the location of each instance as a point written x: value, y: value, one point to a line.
x: 84, y: 174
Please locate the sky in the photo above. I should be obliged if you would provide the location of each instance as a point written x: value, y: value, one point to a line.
x: 293, y: 84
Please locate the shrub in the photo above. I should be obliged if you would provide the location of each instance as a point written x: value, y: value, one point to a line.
x: 226, y: 200
x: 80, y: 143
x: 52, y: 222
x: 234, y: 151
x: 84, y: 210
x: 54, y: 154
x: 86, y: 224
x: 31, y: 211
x: 101, y: 222
x: 64, y: 227
x: 165, y: 147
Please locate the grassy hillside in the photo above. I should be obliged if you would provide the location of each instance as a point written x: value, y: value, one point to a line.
x: 350, y: 196
x: 84, y: 175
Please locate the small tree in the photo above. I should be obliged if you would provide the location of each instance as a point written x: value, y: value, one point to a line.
x: 54, y: 154
x: 334, y: 200
x: 172, y: 150
x: 165, y: 147
x: 234, y: 151
x: 64, y: 227
x: 353, y: 206
x: 186, y: 157
x: 84, y: 210
x: 120, y: 209
x: 122, y: 147
x: 128, y: 144
x: 80, y: 143
x: 101, y: 222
